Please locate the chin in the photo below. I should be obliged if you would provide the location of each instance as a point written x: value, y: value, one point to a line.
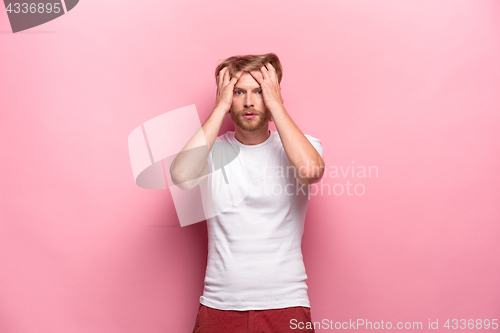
x: 253, y: 128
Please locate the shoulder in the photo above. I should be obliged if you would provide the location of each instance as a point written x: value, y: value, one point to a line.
x: 311, y: 138
x: 226, y: 137
x: 316, y: 144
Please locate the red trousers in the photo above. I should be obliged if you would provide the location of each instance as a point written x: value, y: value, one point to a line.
x: 210, y: 320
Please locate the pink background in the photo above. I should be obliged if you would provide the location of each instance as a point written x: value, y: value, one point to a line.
x: 408, y: 86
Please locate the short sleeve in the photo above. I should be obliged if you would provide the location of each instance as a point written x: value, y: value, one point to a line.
x: 210, y: 157
x: 316, y: 144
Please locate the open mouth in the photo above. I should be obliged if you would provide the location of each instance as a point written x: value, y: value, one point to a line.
x: 249, y: 115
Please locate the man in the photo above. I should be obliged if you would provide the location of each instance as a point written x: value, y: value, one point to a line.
x: 255, y: 278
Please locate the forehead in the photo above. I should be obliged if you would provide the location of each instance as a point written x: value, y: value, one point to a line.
x: 246, y: 81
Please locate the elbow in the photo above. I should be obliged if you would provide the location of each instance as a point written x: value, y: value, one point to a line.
x: 184, y: 181
x: 313, y: 174
x: 183, y: 185
x: 179, y: 181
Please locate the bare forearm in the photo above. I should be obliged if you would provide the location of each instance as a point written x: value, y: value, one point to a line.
x: 191, y: 163
x: 192, y: 159
x: 302, y: 156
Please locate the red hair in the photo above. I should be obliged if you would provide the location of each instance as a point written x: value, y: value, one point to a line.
x: 250, y: 63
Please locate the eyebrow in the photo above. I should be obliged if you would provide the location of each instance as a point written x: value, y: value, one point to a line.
x: 238, y: 88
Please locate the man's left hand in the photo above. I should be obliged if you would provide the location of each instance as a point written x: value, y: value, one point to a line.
x: 271, y: 90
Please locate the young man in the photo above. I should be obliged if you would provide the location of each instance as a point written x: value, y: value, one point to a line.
x: 255, y: 278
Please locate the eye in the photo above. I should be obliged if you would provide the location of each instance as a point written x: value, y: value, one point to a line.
x: 260, y: 91
x: 236, y: 92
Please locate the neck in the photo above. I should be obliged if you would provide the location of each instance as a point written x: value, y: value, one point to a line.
x: 252, y: 138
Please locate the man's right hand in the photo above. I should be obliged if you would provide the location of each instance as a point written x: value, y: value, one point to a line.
x: 190, y: 168
x: 225, y: 89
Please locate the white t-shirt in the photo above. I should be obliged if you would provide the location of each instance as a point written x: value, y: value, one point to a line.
x: 254, y: 235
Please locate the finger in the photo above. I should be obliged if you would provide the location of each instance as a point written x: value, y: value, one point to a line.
x: 272, y: 72
x: 236, y: 78
x: 226, y: 77
x: 257, y: 76
x: 220, y: 76
x: 265, y: 73
x: 270, y: 67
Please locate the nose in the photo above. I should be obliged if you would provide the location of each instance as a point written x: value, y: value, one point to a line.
x: 249, y: 103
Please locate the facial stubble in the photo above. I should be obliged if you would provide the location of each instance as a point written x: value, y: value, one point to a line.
x: 251, y: 125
